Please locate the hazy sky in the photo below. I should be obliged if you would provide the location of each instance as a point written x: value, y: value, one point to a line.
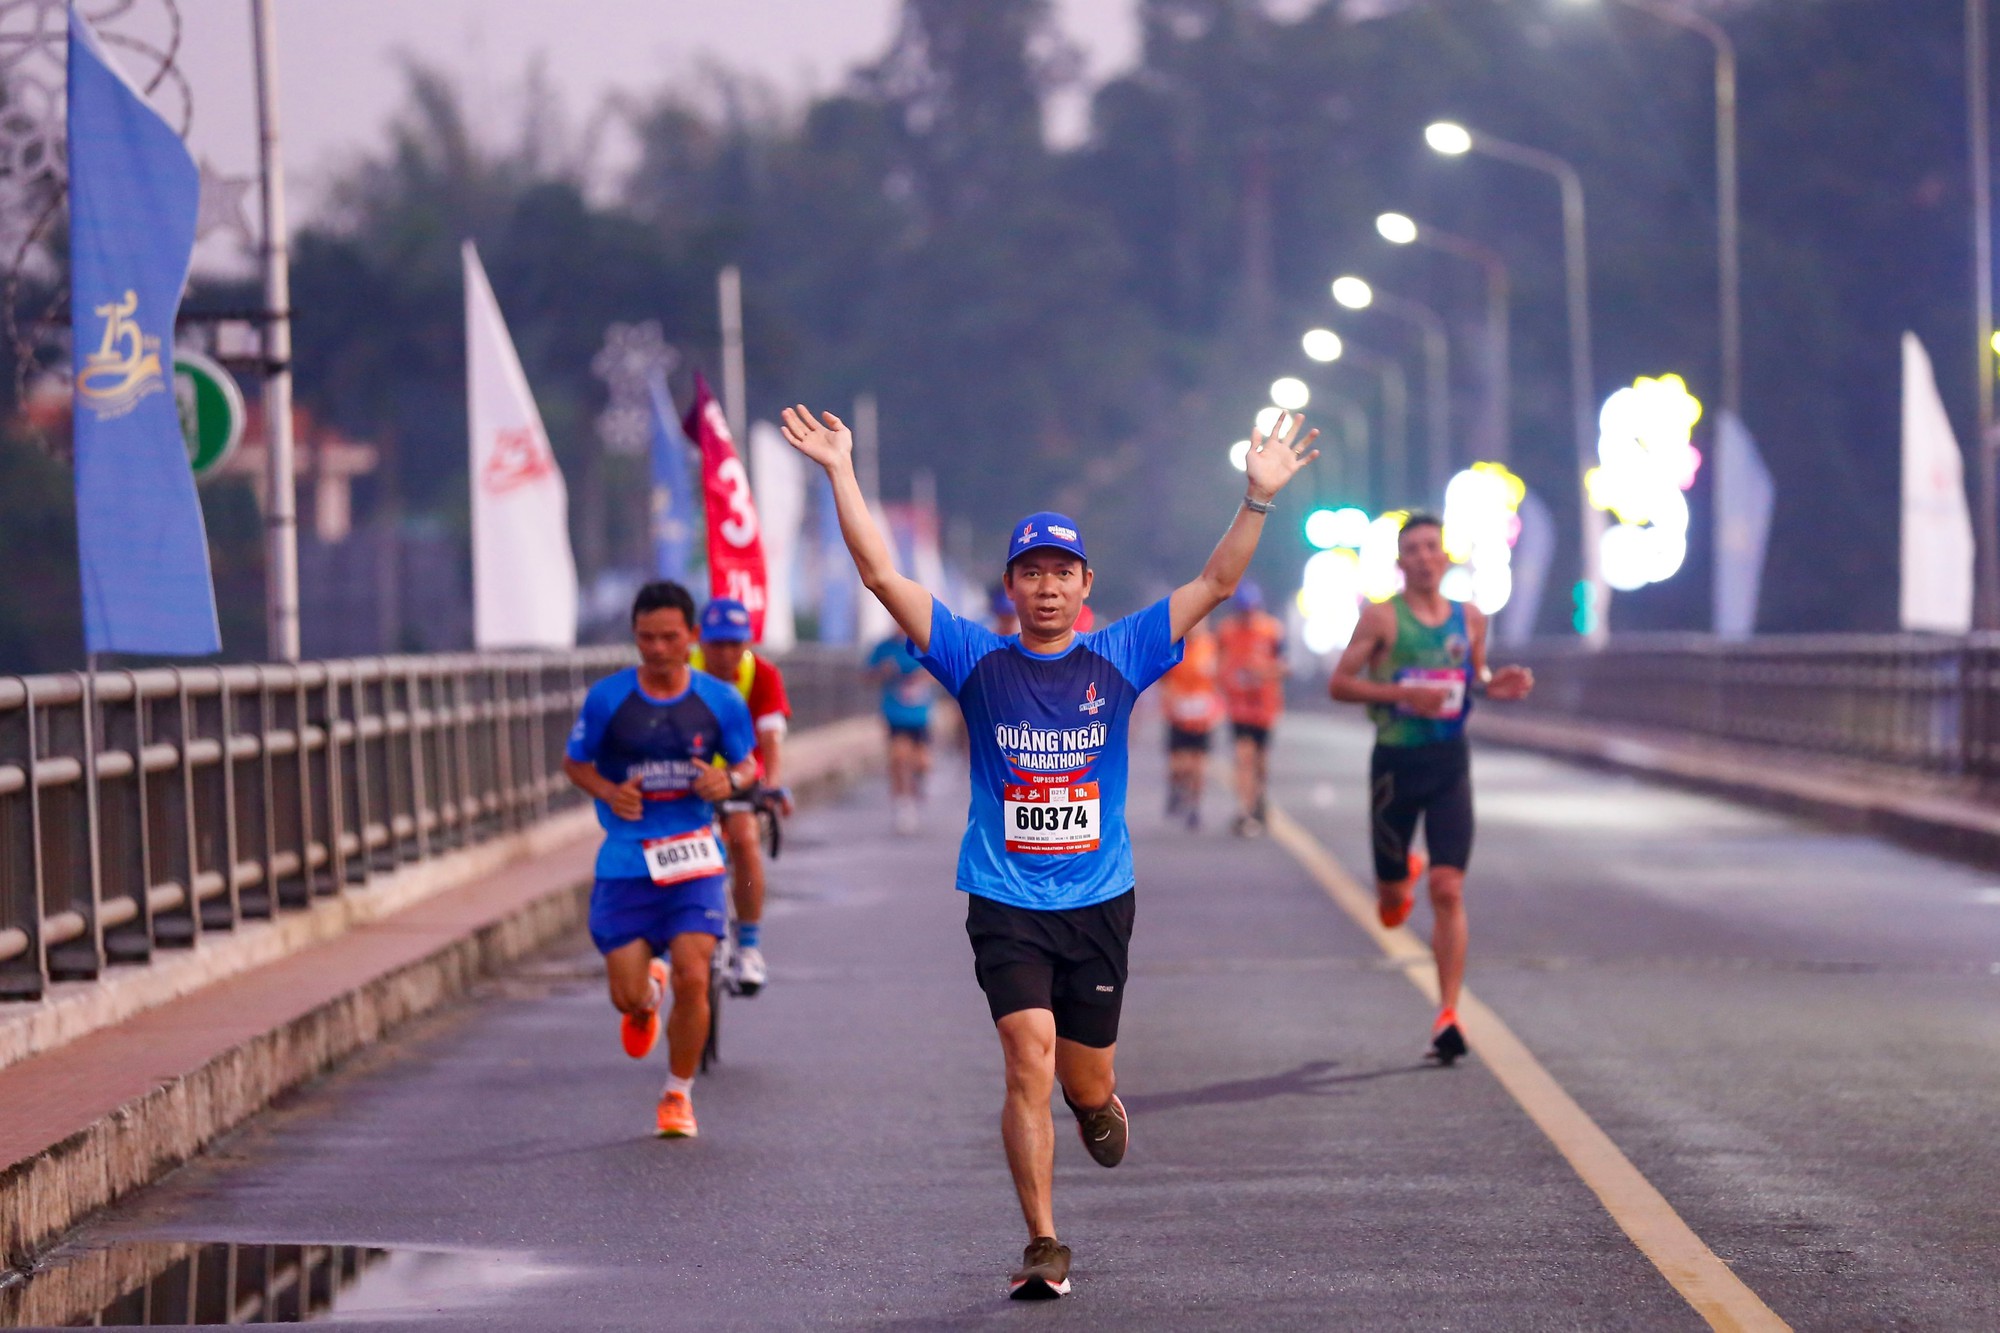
x: 340, y: 80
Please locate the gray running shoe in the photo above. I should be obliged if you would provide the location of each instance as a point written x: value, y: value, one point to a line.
x: 1105, y: 1131
x: 1044, y: 1272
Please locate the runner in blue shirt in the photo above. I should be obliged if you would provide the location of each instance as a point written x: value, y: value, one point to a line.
x: 906, y: 708
x: 1046, y: 861
x: 657, y: 745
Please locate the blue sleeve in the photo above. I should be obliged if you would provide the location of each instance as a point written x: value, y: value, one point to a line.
x: 598, y: 706
x: 739, y: 734
x: 1142, y: 646
x: 957, y: 645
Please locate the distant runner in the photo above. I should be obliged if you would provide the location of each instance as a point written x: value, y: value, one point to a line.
x: 724, y: 653
x: 1253, y: 687
x: 1193, y: 708
x: 1416, y: 660
x: 646, y: 748
x: 906, y: 708
x: 1046, y: 860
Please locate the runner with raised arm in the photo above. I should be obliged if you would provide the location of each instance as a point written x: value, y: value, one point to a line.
x: 1046, y: 859
x: 645, y: 747
x: 1416, y: 660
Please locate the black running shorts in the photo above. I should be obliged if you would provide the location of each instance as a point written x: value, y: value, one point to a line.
x: 1428, y: 782
x: 920, y: 733
x: 1071, y: 961
x: 1179, y: 741
x: 1250, y: 731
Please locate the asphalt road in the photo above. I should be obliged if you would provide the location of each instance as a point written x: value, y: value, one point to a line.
x: 1791, y: 1032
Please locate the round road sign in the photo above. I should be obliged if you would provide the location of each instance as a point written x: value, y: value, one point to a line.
x: 211, y: 408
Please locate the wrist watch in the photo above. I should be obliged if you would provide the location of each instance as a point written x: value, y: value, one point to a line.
x: 1257, y: 506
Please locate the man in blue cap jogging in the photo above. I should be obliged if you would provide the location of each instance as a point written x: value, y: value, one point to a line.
x: 1046, y: 860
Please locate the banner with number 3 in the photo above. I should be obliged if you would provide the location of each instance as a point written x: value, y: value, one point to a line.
x: 735, y: 538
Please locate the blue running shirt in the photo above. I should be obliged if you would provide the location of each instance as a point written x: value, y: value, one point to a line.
x: 906, y: 698
x: 623, y: 731
x: 1046, y: 829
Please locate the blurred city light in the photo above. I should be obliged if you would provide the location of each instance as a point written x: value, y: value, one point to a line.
x: 1322, y: 344
x: 1353, y: 292
x: 1328, y: 528
x: 1380, y: 578
x: 1290, y: 393
x: 1647, y: 462
x: 1448, y: 138
x: 1482, y: 507
x: 1239, y: 455
x: 1396, y: 228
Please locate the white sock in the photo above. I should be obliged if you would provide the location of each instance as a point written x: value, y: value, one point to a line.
x: 655, y: 995
x: 684, y: 1086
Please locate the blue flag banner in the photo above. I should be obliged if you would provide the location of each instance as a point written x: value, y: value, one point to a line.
x: 133, y: 194
x: 673, y: 490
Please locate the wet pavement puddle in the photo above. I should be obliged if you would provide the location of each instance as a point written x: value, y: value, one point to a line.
x: 156, y: 1283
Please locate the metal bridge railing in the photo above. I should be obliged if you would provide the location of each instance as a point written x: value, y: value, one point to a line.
x: 141, y: 809
x: 1922, y: 702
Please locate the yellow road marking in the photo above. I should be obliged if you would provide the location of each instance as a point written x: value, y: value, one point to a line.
x: 1702, y: 1279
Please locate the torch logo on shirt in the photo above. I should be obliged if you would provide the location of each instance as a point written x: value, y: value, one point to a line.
x: 1091, y: 703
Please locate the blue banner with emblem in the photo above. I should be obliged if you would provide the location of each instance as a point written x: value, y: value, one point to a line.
x: 673, y: 513
x: 133, y: 196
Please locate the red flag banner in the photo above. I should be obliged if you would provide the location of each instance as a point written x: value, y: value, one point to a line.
x: 735, y: 538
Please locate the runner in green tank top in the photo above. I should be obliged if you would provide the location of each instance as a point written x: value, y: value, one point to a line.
x: 1415, y: 661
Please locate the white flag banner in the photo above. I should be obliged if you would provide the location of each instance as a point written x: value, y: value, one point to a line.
x: 1937, y: 521
x: 1745, y: 496
x: 523, y: 571
x: 778, y: 476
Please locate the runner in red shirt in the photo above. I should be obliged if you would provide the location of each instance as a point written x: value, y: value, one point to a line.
x: 1253, y: 687
x: 725, y: 654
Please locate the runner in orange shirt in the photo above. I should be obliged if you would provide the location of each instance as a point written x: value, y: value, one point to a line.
x: 1252, y: 645
x: 1193, y: 709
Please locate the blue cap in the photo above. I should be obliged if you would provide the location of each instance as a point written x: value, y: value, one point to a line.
x: 1047, y: 528
x: 1249, y: 597
x: 725, y: 620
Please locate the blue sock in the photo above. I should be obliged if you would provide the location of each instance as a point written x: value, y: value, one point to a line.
x: 746, y: 934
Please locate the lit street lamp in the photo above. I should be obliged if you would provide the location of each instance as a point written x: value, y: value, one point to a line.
x: 1400, y: 229
x: 1454, y: 140
x: 1357, y: 294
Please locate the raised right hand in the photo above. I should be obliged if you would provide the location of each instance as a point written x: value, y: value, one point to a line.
x: 826, y: 442
x: 626, y: 801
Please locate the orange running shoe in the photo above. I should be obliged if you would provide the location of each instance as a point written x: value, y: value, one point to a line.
x: 641, y: 1033
x: 1394, y: 915
x: 676, y: 1116
x: 1447, y: 1042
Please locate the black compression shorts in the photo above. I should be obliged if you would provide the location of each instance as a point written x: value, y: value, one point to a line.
x: 920, y: 733
x: 1259, y: 736
x: 1072, y: 961
x: 1428, y: 782
x: 1179, y: 741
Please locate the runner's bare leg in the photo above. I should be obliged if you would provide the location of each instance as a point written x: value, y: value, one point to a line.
x: 1028, y: 1042
x: 1448, y: 931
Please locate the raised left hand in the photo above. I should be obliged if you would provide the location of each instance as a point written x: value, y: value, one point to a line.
x: 1274, y: 461
x: 1509, y: 683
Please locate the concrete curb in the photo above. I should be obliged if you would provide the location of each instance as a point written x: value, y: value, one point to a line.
x: 1893, y: 806
x: 56, y: 1176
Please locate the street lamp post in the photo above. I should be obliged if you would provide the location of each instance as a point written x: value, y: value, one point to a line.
x: 1454, y: 140
x: 1986, y: 605
x: 281, y: 512
x: 1356, y: 294
x: 1399, y: 229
